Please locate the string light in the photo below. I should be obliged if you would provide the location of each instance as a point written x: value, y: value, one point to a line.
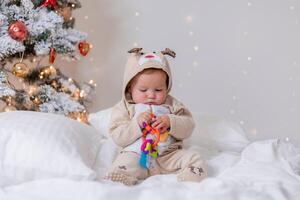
x: 287, y: 139
x: 249, y: 4
x: 242, y: 122
x: 86, y: 17
x: 137, y: 14
x: 249, y: 58
x: 196, y: 48
x: 135, y: 44
x: 191, y: 33
x: 91, y: 81
x: 292, y: 7
x: 70, y: 80
x: 234, y: 98
x: 245, y: 72
x: 253, y: 131
x: 189, y: 19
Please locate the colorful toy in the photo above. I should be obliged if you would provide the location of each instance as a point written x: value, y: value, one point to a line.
x: 149, y: 146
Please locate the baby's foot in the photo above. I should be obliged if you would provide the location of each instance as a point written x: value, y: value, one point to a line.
x: 122, y: 178
x: 192, y: 174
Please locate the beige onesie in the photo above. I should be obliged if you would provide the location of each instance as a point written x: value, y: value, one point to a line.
x: 126, y: 133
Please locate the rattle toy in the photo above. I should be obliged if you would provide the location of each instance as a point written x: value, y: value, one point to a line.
x: 149, y: 146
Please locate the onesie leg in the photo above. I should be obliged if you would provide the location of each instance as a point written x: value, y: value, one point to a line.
x: 188, y: 165
x: 126, y: 169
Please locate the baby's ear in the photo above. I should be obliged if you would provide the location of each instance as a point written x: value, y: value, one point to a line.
x: 169, y: 52
x: 135, y: 50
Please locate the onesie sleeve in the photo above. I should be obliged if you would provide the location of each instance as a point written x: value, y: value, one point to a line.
x: 182, y: 123
x: 123, y: 130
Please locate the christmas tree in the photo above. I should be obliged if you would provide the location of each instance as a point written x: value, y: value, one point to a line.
x: 33, y: 30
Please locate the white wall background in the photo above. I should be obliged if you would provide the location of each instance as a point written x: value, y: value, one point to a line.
x: 236, y: 59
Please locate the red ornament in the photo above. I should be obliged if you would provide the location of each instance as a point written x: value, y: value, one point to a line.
x: 84, y: 48
x: 49, y: 3
x: 17, y: 31
x: 52, y: 55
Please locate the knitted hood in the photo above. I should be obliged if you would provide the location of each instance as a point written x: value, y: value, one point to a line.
x: 139, y: 60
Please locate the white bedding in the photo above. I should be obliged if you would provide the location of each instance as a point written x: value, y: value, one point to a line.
x: 238, y: 169
x: 261, y: 172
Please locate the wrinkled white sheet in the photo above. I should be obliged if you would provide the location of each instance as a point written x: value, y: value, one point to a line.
x: 261, y: 172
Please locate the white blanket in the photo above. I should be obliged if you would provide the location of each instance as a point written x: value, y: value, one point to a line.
x: 261, y: 172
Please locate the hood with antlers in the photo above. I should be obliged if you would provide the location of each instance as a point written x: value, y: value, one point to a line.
x: 139, y: 60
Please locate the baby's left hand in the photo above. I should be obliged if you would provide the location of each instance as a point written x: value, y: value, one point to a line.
x: 161, y: 123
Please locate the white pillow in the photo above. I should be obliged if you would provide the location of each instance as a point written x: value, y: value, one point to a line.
x: 100, y: 121
x: 36, y: 145
x: 218, y: 134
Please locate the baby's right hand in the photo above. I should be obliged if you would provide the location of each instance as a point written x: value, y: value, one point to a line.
x: 144, y: 117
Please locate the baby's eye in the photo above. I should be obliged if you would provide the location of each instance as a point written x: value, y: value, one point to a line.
x: 158, y: 90
x: 143, y: 90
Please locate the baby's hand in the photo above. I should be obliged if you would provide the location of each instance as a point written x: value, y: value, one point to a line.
x: 144, y: 117
x: 162, y: 123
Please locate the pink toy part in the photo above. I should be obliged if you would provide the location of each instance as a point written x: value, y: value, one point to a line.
x: 143, y: 146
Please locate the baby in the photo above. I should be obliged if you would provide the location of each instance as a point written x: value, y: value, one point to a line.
x: 146, y: 100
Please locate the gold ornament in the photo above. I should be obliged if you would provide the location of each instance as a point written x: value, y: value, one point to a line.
x: 20, y: 70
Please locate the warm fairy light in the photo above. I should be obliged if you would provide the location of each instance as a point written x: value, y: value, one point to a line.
x: 253, y: 131
x: 196, y: 48
x: 245, y: 72
x: 91, y: 81
x: 249, y: 3
x: 70, y: 80
x: 82, y: 93
x: 91, y: 46
x: 135, y: 44
x: 189, y: 19
x: 287, y: 139
x: 249, y: 58
x: 86, y: 17
x: 137, y: 14
x: 32, y: 90
x: 73, y: 5
x: 8, y: 100
x: 292, y: 7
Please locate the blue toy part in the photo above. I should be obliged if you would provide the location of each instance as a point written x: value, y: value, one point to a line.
x: 144, y: 160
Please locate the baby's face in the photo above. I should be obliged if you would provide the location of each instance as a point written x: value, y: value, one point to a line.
x: 149, y: 88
